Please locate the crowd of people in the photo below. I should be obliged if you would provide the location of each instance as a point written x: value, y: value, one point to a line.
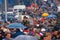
x: 42, y: 28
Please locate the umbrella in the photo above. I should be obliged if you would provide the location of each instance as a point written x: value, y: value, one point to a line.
x: 25, y: 37
x: 1, y: 20
x: 16, y: 25
x: 52, y: 16
x: 45, y: 14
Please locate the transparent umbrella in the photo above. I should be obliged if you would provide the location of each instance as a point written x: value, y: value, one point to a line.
x: 16, y: 25
x: 25, y: 37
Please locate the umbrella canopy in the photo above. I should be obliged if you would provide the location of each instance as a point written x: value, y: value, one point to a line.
x: 52, y: 16
x: 1, y: 20
x: 25, y: 37
x: 45, y: 14
x: 16, y: 25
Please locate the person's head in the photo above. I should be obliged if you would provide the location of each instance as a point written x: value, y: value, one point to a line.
x: 7, y: 35
x: 58, y: 34
x: 55, y: 32
x: 51, y: 25
x: 30, y: 29
x: 25, y: 18
x: 47, y: 36
x: 34, y: 18
x: 37, y: 30
x: 13, y: 30
x: 0, y: 28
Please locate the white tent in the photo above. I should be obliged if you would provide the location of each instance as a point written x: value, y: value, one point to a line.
x: 19, y: 7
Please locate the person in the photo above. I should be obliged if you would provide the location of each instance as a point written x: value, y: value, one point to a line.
x: 38, y: 34
x: 1, y: 34
x: 54, y: 34
x: 31, y: 31
x: 7, y: 36
x: 47, y: 36
x: 25, y: 21
x: 58, y: 36
x: 15, y: 33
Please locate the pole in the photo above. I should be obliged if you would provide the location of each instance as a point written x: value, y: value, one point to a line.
x: 35, y: 5
x: 6, y: 10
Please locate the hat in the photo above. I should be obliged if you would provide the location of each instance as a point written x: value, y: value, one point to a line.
x: 45, y: 0
x: 25, y: 17
x: 43, y: 29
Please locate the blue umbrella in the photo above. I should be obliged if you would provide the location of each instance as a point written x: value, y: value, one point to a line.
x: 25, y: 37
x: 16, y: 25
x: 52, y: 16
